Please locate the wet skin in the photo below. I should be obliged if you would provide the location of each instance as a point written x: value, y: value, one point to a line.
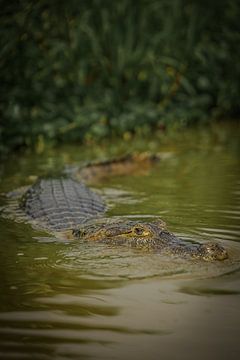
x: 150, y: 236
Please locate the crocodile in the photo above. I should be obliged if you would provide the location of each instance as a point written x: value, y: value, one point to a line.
x: 66, y: 204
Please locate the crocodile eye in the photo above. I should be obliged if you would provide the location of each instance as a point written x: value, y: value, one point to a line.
x: 138, y: 230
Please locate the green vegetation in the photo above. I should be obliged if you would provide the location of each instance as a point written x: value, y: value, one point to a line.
x: 83, y: 70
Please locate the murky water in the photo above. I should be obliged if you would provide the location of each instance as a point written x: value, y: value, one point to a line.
x: 67, y: 300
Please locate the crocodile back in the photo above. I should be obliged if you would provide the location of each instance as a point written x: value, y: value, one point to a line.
x: 59, y: 204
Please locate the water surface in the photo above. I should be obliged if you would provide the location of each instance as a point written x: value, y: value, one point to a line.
x: 62, y: 299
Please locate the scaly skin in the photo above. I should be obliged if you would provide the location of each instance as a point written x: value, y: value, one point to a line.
x: 61, y: 204
x: 148, y: 235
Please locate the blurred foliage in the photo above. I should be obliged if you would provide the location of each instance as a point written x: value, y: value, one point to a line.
x: 83, y: 70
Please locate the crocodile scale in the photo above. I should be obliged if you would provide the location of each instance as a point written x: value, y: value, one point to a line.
x: 61, y: 204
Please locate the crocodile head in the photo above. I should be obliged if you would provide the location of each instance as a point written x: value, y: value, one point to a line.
x: 121, y: 231
x: 147, y: 235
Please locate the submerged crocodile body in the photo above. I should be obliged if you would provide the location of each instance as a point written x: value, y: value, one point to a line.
x: 65, y: 204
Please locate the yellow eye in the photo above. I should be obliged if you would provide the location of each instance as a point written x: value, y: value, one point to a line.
x: 138, y: 230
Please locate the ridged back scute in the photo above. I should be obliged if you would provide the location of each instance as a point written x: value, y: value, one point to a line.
x: 62, y: 203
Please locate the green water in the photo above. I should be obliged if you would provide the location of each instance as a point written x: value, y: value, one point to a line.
x: 65, y: 300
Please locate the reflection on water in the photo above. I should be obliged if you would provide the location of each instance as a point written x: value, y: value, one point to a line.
x: 67, y: 300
